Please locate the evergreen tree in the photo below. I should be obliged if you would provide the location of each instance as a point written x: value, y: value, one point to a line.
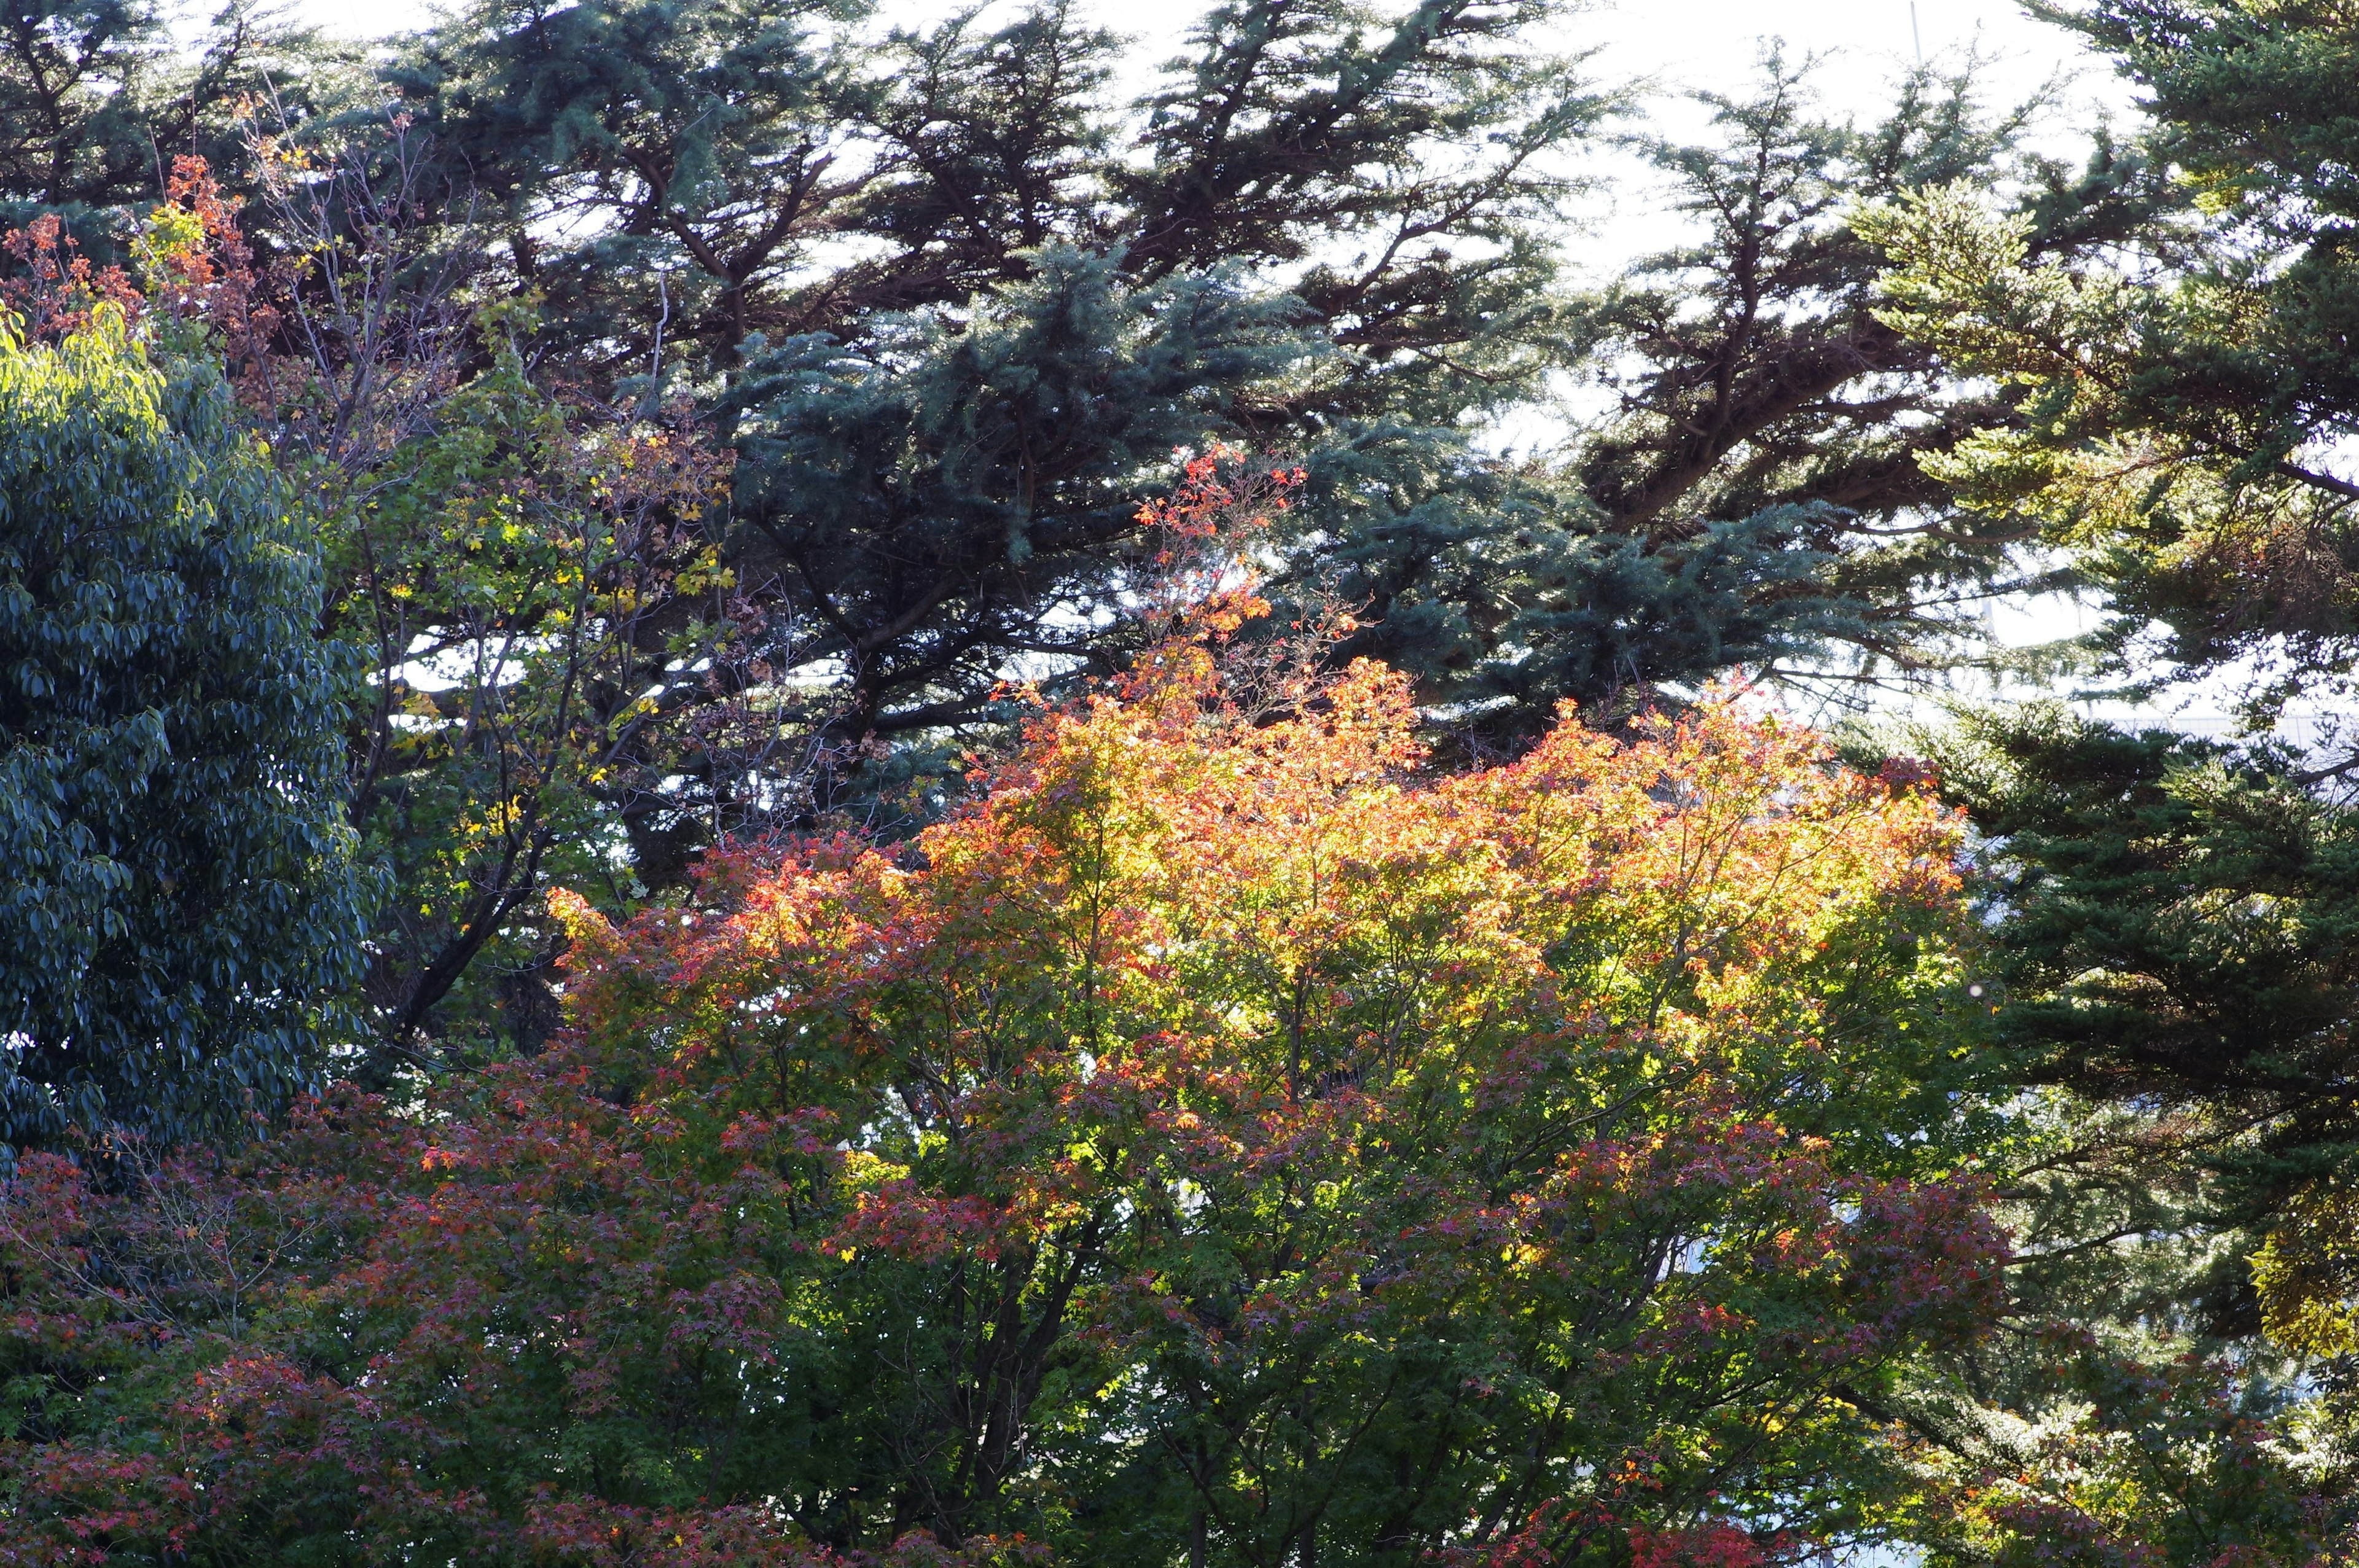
x: 1649, y: 555
x: 1754, y: 497
x: 2172, y: 918
x: 97, y: 98
x: 2171, y: 926
x: 2178, y: 930
x: 695, y: 150
x: 2180, y: 400
x: 2177, y: 915
x: 955, y: 307
x: 950, y: 497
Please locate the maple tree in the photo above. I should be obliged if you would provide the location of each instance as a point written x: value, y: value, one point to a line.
x: 540, y: 622
x: 1223, y: 1136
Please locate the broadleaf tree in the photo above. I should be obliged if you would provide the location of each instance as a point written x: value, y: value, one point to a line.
x: 181, y: 902
x: 1225, y: 1141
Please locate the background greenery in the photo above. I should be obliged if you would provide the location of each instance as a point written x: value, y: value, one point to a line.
x: 570, y: 439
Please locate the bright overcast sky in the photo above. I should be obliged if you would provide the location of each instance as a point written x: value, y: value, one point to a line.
x: 1673, y: 45
x: 1713, y: 43
x: 1681, y: 43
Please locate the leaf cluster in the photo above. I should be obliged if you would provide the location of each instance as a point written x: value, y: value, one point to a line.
x: 1225, y: 1133
x: 181, y: 902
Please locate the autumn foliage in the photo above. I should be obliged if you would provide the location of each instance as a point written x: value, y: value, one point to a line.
x: 1225, y: 1142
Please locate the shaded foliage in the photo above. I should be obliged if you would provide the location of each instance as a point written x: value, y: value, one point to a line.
x: 179, y: 899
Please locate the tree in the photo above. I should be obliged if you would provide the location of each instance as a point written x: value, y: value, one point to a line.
x: 2170, y: 923
x: 947, y: 498
x: 954, y: 307
x: 1226, y: 1138
x: 1759, y: 389
x: 2178, y: 913
x: 522, y: 568
x: 965, y: 366
x: 954, y: 304
x: 701, y: 150
x: 546, y: 617
x: 98, y: 98
x: 2179, y: 922
x: 180, y: 900
x: 2181, y: 399
x: 1756, y: 501
x: 2155, y: 1459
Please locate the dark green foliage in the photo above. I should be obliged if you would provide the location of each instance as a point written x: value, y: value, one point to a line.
x: 2175, y: 923
x: 691, y: 143
x: 1507, y: 595
x: 944, y: 499
x: 97, y: 98
x: 2176, y: 928
x: 1756, y: 503
x: 2182, y: 916
x: 2254, y: 97
x: 1753, y: 498
x: 2172, y: 933
x: 178, y: 895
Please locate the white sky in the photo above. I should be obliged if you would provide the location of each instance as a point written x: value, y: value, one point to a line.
x: 1670, y: 47
x: 1712, y: 43
x: 1679, y: 43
